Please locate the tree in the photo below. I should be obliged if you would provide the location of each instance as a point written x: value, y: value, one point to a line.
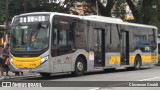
x: 119, y: 10
x: 104, y: 10
x: 145, y: 11
x: 142, y: 10
x: 2, y: 15
x: 134, y: 10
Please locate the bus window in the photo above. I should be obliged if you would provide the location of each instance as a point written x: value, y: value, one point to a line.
x: 159, y: 48
x: 152, y: 40
x: 60, y: 38
x: 54, y: 37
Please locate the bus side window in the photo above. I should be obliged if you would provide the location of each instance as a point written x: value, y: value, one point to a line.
x: 54, y: 37
x: 61, y: 43
x: 62, y: 38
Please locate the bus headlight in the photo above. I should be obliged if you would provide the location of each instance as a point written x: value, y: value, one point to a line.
x: 11, y: 59
x: 44, y: 59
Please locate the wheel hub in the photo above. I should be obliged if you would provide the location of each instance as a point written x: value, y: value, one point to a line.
x: 80, y: 66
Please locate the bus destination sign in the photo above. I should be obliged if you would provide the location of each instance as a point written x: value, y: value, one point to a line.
x: 28, y: 19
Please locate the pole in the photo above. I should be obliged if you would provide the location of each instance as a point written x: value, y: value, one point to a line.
x: 7, y: 15
x: 51, y: 5
x: 25, y: 6
x: 158, y: 11
x: 97, y: 8
x: 7, y: 28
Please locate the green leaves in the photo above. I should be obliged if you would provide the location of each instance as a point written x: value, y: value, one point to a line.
x: 144, y: 11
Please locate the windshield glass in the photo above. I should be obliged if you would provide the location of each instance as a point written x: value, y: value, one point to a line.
x: 30, y: 36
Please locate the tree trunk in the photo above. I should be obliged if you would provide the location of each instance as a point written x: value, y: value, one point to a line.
x: 147, y: 9
x: 134, y: 10
x: 25, y: 6
x: 110, y: 4
x: 104, y: 10
x: 7, y: 16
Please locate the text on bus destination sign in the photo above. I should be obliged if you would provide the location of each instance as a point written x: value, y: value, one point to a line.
x: 26, y: 19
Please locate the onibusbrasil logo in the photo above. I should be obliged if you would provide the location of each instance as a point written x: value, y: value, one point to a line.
x: 21, y: 84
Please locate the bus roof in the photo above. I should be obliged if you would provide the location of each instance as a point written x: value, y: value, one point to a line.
x: 93, y: 18
x: 114, y: 20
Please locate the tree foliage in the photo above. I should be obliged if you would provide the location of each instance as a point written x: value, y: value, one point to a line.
x: 144, y: 11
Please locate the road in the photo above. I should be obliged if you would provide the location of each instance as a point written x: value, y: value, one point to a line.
x: 145, y: 74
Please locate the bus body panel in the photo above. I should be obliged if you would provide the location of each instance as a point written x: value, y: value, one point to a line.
x: 119, y: 40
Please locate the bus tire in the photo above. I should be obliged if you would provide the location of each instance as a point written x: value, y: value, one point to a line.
x: 130, y: 68
x: 137, y: 62
x: 45, y: 75
x: 109, y: 69
x: 79, y: 67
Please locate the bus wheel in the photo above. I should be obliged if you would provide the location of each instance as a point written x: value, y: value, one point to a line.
x: 137, y: 63
x: 79, y: 67
x: 45, y: 75
x: 109, y: 69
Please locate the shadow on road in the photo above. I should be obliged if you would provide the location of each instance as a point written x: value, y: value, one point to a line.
x: 63, y: 76
x: 158, y: 64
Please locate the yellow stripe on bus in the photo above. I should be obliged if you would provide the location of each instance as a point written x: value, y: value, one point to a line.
x: 25, y: 63
x: 115, y: 60
x: 149, y: 59
x: 132, y: 58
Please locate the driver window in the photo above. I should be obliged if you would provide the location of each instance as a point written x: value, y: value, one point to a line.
x: 59, y: 37
x: 62, y: 36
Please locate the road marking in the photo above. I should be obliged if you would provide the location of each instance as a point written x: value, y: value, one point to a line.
x: 149, y: 79
x: 95, y: 89
x: 126, y: 83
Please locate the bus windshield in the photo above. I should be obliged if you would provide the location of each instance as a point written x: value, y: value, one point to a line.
x: 29, y: 37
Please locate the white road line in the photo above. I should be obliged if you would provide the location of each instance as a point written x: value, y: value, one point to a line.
x: 149, y: 79
x: 95, y: 89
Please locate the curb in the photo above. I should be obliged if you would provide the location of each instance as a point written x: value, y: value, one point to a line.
x: 158, y: 64
x: 19, y: 77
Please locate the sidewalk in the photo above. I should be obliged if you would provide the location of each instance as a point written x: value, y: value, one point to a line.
x: 25, y: 74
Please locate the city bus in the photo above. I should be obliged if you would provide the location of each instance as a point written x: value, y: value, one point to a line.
x: 50, y: 42
x: 158, y: 53
x: 158, y: 48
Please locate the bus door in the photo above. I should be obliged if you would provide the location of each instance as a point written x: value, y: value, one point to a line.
x: 124, y: 47
x: 62, y: 41
x: 99, y: 47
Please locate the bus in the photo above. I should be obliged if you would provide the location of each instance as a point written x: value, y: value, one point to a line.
x: 158, y: 48
x: 50, y: 42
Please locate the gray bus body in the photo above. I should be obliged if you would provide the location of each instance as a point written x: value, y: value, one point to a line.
x: 83, y: 43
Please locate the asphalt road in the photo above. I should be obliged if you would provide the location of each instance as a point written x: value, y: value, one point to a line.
x: 145, y: 74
